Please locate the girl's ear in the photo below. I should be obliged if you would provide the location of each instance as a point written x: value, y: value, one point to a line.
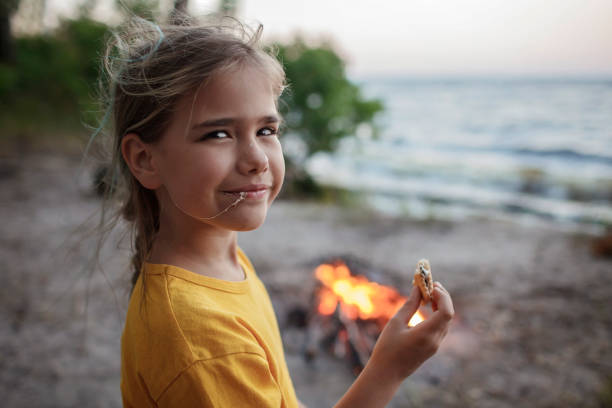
x: 138, y: 157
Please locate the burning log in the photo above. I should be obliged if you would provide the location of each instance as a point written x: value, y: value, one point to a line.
x: 357, y: 342
x: 349, y: 313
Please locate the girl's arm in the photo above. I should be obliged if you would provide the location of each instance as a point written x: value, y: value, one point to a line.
x: 400, y: 350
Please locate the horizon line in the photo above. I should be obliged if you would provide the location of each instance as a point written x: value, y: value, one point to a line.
x: 552, y: 76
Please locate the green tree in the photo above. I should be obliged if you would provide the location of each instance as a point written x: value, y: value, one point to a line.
x: 147, y: 9
x: 322, y: 106
x: 7, y: 8
x: 52, y: 82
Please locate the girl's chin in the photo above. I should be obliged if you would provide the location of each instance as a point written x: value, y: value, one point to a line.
x: 246, y: 220
x: 246, y: 226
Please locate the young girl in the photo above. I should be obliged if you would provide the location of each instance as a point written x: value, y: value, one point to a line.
x: 195, y: 126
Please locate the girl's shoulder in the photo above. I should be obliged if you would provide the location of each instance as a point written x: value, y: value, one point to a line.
x: 180, y: 304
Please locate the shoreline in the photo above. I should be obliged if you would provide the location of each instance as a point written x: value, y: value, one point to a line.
x: 422, y: 208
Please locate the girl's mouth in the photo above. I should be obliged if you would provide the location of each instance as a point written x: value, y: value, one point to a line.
x: 250, y: 194
x: 256, y: 193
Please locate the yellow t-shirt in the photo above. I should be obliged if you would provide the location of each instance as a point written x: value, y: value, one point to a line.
x: 198, y: 341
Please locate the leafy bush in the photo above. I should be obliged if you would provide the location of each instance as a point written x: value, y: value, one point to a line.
x: 53, y: 77
x: 322, y: 105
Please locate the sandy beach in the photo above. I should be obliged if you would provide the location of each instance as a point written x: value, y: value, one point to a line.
x: 533, y: 322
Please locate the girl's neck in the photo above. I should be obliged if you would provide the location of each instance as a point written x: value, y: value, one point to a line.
x: 206, y: 250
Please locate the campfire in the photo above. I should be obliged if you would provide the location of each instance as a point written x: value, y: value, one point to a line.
x: 348, y: 314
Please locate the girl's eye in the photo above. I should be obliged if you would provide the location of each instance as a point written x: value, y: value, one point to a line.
x: 267, y: 131
x: 217, y: 134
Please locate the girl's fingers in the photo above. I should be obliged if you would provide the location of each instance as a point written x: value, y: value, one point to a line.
x: 443, y: 312
x: 439, y: 285
x: 443, y: 302
x: 410, y: 307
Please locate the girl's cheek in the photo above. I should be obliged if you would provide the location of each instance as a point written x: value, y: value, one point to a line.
x: 279, y: 162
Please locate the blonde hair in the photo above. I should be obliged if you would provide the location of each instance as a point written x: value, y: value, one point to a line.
x: 148, y: 68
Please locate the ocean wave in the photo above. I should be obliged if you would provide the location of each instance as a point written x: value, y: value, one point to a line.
x: 541, y: 148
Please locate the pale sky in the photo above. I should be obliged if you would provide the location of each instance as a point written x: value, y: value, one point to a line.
x: 450, y: 37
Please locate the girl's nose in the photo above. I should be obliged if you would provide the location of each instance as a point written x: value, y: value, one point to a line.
x: 253, y: 158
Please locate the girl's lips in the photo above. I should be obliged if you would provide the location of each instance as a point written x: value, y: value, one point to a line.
x: 253, y: 194
x: 256, y: 193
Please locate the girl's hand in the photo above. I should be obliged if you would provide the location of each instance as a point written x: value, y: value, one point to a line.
x: 400, y: 349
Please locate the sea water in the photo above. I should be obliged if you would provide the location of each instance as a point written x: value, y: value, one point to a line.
x: 529, y: 150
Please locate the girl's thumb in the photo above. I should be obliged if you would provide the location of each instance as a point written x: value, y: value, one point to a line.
x: 410, y: 307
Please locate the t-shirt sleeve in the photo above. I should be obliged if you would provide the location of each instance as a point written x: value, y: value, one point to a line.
x: 240, y: 379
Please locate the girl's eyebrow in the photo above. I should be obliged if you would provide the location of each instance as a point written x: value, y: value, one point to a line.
x: 268, y: 119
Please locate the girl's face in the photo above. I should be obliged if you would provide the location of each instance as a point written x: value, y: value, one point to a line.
x: 219, y: 144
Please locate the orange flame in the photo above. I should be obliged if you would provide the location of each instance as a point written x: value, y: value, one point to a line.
x: 357, y: 296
